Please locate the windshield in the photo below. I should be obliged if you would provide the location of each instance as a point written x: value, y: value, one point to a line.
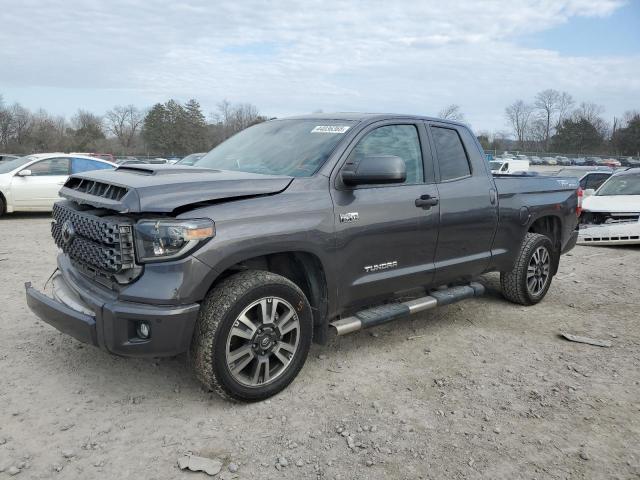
x: 621, y: 185
x: 296, y: 148
x: 6, y: 167
x: 495, y: 165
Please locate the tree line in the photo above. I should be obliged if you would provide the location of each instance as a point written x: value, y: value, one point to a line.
x: 551, y: 122
x: 165, y: 129
x: 554, y: 122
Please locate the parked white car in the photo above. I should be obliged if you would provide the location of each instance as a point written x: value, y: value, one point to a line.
x: 611, y: 214
x: 509, y: 166
x: 32, y: 183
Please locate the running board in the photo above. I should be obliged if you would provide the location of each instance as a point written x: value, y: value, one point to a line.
x: 387, y: 313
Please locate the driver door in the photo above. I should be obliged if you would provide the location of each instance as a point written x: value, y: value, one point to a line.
x: 39, y: 191
x: 385, y: 241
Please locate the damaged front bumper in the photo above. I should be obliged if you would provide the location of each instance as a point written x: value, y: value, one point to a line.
x: 112, y: 324
x: 609, y: 234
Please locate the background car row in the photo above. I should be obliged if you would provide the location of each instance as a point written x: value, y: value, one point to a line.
x: 566, y: 161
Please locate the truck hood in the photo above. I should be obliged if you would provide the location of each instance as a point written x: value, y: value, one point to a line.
x: 165, y: 188
x: 612, y: 203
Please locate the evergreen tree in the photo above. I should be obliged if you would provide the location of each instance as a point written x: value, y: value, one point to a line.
x: 577, y: 135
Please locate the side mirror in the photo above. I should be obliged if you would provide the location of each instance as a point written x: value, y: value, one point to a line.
x: 588, y: 192
x: 24, y: 173
x: 374, y: 169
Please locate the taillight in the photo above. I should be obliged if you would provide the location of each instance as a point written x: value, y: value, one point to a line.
x: 580, y: 194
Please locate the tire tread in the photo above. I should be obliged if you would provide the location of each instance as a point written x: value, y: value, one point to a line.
x: 513, y: 282
x: 216, y: 305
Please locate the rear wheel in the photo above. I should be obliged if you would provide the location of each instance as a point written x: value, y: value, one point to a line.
x: 252, y: 336
x: 529, y: 280
x: 3, y: 205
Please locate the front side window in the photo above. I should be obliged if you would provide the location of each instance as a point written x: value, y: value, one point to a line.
x: 396, y: 140
x: 51, y: 166
x: 452, y: 157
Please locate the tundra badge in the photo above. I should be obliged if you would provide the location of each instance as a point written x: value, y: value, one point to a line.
x: 381, y: 266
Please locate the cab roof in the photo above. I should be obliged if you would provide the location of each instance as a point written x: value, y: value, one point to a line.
x: 367, y: 117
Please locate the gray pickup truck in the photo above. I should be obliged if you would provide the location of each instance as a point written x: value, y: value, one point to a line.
x: 290, y: 230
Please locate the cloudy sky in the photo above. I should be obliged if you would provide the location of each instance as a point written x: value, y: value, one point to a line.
x: 291, y: 57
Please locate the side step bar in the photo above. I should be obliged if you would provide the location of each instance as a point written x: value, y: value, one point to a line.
x: 387, y: 313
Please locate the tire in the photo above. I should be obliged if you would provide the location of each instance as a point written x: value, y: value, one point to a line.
x: 232, y: 319
x: 3, y: 206
x: 528, y: 272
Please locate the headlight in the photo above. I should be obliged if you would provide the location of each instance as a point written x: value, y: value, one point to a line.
x: 158, y: 240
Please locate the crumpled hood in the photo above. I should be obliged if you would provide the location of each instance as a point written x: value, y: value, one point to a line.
x: 165, y: 188
x: 612, y: 203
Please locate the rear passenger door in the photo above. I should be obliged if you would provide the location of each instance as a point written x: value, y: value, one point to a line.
x: 468, y: 204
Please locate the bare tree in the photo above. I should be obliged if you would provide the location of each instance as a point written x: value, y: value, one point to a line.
x: 592, y: 113
x: 546, y: 102
x: 20, y: 123
x: 124, y: 122
x: 87, y: 128
x: 629, y: 116
x: 565, y: 104
x: 5, y: 124
x: 451, y: 112
x: 589, y: 111
x: 519, y: 115
x: 232, y: 118
x: 48, y: 132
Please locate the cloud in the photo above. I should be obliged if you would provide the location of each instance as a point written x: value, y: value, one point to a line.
x: 288, y: 57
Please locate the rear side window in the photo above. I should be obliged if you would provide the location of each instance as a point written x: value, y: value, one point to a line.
x: 397, y: 140
x: 79, y: 165
x: 595, y: 180
x: 452, y: 157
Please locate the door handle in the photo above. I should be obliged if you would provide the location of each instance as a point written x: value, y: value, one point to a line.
x: 492, y: 196
x: 426, y: 202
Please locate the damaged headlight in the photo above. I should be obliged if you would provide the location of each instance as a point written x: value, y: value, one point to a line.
x: 158, y: 240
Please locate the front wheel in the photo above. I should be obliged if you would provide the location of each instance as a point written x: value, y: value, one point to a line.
x: 252, y: 336
x: 529, y: 280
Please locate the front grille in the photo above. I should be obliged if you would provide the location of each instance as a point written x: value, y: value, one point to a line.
x: 98, y: 189
x: 607, y: 218
x: 96, y: 243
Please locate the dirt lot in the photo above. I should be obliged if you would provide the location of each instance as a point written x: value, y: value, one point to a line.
x: 481, y: 389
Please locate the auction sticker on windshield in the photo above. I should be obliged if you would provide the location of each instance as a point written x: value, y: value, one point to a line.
x: 330, y: 129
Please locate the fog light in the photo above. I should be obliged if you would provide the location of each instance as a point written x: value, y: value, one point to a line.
x: 143, y: 330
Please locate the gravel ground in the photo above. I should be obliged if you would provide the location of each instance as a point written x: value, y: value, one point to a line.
x: 481, y: 389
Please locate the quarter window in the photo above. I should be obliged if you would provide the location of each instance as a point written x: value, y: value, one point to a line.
x: 79, y: 165
x: 452, y: 157
x: 397, y: 140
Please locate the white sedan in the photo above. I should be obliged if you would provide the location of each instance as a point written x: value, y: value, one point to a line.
x: 32, y: 183
x: 611, y: 214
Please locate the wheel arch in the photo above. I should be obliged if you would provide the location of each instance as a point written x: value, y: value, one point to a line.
x: 303, y: 268
x: 550, y: 226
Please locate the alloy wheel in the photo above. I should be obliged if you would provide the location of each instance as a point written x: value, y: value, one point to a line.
x: 262, y: 341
